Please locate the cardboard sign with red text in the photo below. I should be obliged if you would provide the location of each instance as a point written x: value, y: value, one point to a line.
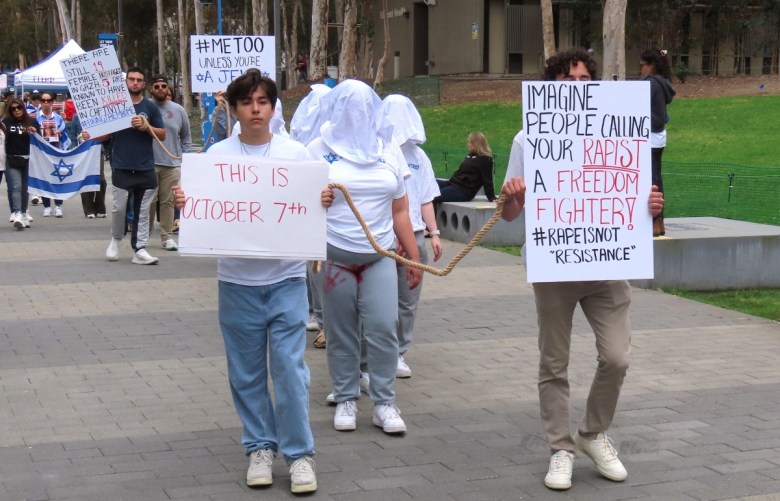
x: 252, y: 207
x: 587, y: 162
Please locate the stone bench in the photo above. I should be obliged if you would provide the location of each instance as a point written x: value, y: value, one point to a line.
x: 460, y: 221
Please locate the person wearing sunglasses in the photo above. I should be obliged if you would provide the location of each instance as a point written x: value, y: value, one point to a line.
x: 52, y: 127
x: 18, y: 126
x: 178, y: 140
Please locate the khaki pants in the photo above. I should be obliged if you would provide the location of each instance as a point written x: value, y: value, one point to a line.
x: 167, y: 178
x: 605, y: 305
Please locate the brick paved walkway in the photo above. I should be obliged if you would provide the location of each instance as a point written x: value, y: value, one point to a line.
x: 112, y: 387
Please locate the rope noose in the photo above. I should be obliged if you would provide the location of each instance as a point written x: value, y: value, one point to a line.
x: 439, y: 272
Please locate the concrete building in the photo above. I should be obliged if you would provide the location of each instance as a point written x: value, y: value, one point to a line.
x: 447, y: 37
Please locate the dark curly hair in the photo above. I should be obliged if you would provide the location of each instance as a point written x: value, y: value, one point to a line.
x: 245, y: 85
x: 659, y: 61
x: 561, y: 63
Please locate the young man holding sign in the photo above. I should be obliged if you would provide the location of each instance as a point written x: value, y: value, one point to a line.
x: 605, y: 304
x: 263, y: 311
x: 132, y: 170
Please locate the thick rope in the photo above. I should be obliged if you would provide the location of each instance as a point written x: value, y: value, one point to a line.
x: 406, y: 262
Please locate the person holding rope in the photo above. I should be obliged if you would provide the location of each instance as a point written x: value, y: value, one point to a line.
x: 263, y: 311
x: 605, y: 304
x: 360, y: 286
x: 132, y: 170
x: 167, y: 157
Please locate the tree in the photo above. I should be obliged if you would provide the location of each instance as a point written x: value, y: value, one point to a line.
x: 260, y: 17
x: 380, y: 66
x: 160, y: 38
x: 348, y: 53
x: 184, y: 39
x: 318, y: 55
x: 65, y: 19
x: 614, y: 39
x: 199, y: 26
x: 548, y: 29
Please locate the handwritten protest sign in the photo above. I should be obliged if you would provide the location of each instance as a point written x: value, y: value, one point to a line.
x: 99, y: 91
x: 218, y: 60
x: 252, y: 207
x: 587, y: 168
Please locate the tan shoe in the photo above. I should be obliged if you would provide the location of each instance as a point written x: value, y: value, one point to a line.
x: 319, y: 340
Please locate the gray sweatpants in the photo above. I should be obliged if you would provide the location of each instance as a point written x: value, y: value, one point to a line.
x: 360, y: 290
x: 408, y: 299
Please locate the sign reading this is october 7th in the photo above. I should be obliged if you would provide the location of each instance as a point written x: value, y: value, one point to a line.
x: 587, y: 162
x: 218, y: 60
x: 253, y: 207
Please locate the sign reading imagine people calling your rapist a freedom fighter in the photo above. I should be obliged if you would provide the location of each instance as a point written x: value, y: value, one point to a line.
x: 218, y: 60
x: 253, y: 207
x: 97, y: 86
x: 587, y: 163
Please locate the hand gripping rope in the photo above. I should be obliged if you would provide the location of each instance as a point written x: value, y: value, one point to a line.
x: 439, y: 272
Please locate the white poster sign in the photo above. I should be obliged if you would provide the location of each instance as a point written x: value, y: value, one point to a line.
x: 218, y: 60
x: 97, y: 86
x: 252, y: 207
x: 587, y: 161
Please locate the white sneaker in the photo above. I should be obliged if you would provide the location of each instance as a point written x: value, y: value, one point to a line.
x: 90, y: 216
x: 143, y: 257
x: 35, y: 200
x: 170, y: 245
x: 346, y: 416
x: 603, y: 453
x: 559, y: 475
x: 402, y: 370
x: 101, y: 216
x: 302, y: 476
x: 312, y: 324
x: 112, y: 253
x: 11, y: 217
x: 29, y: 216
x: 18, y: 222
x: 26, y: 220
x: 388, y: 417
x: 365, y: 380
x: 46, y: 211
x: 57, y: 211
x: 260, y: 472
x: 330, y: 399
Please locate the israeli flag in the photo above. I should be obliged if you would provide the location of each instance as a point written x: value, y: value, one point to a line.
x: 60, y: 174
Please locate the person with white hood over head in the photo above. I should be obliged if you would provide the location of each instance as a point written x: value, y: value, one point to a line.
x: 304, y: 127
x: 360, y: 289
x: 421, y: 186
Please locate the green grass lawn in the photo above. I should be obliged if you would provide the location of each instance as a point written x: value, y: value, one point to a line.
x: 759, y: 302
x: 737, y: 130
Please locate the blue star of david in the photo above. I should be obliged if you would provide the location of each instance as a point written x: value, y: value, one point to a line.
x: 59, y: 167
x: 331, y: 157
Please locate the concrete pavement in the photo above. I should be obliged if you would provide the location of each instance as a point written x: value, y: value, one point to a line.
x: 113, y: 387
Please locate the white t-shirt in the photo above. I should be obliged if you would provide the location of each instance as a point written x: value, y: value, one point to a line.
x: 516, y: 165
x: 251, y: 271
x: 421, y: 185
x: 373, y: 188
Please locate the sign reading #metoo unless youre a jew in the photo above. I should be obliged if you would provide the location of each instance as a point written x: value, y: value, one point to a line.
x: 587, y: 162
x: 218, y: 60
x: 253, y: 207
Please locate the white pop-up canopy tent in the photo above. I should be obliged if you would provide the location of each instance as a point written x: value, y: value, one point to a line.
x: 47, y: 74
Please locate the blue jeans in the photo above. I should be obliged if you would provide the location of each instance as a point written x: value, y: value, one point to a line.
x: 261, y: 326
x: 17, y: 185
